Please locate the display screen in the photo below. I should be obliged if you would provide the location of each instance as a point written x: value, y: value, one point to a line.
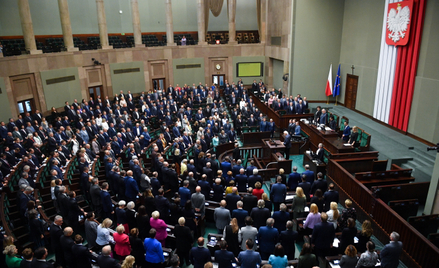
x: 246, y: 69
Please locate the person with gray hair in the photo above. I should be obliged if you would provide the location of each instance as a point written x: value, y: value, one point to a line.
x: 221, y: 216
x: 240, y: 214
x: 252, y: 179
x: 281, y: 218
x: 268, y: 236
x: 105, y: 259
x: 260, y: 214
x: 391, y: 252
x: 184, y: 240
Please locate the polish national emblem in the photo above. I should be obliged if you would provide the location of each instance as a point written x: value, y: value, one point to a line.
x: 398, y: 23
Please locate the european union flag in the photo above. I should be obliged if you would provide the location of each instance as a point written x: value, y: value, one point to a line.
x: 336, y: 90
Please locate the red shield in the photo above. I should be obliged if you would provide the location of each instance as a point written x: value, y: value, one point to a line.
x: 398, y: 21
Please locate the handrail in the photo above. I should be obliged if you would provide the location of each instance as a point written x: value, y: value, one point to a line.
x: 385, y: 218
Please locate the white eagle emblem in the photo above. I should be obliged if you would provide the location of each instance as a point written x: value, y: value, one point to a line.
x: 397, y: 22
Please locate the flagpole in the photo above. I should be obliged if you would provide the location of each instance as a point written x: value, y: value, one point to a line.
x: 327, y: 102
x: 336, y: 100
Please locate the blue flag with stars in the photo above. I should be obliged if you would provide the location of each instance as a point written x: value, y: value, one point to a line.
x: 336, y: 90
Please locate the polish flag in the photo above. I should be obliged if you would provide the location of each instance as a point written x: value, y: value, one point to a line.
x: 328, y: 89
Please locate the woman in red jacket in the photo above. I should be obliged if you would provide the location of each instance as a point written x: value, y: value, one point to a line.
x: 258, y: 191
x: 122, y: 247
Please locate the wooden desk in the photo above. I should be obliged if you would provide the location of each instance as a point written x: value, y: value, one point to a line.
x: 330, y: 139
x: 313, y: 166
x: 274, y: 145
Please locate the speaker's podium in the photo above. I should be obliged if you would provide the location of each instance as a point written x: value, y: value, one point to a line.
x: 274, y: 156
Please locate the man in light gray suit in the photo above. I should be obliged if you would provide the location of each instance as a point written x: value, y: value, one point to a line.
x: 247, y: 232
x: 222, y: 216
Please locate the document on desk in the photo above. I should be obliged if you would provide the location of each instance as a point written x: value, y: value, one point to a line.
x: 347, y: 144
x: 328, y: 128
x: 336, y: 242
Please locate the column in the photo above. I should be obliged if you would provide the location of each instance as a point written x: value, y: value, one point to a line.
x: 136, y: 24
x: 102, y: 22
x: 232, y: 25
x: 66, y: 26
x: 169, y: 24
x: 201, y: 23
x: 262, y: 36
x: 27, y: 27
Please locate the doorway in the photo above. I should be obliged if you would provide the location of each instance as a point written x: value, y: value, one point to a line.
x: 218, y: 79
x: 158, y: 83
x: 351, y: 91
x: 26, y: 106
x: 95, y: 92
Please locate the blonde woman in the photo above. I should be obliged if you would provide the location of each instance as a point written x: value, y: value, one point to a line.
x: 128, y: 262
x: 333, y: 214
x: 230, y: 234
x: 312, y: 219
x: 364, y: 235
x: 268, y: 203
x: 12, y: 261
x: 104, y: 234
x: 354, y: 136
x: 299, y: 203
x: 160, y: 226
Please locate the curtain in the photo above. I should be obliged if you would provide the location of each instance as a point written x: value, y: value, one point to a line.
x: 215, y: 6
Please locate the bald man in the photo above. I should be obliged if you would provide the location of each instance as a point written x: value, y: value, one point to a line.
x: 222, y: 216
x: 66, y: 242
x: 232, y: 199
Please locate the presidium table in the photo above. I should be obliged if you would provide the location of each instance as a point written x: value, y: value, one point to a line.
x: 329, y: 138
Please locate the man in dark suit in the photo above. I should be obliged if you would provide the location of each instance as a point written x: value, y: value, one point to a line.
x: 223, y: 257
x: 250, y: 201
x: 309, y: 174
x: 105, y: 260
x: 232, y: 199
x: 320, y: 183
x: 287, y: 143
x: 346, y: 132
x: 184, y: 241
x: 267, y: 238
x: 199, y: 255
x: 95, y: 193
x: 249, y: 257
x: 323, y: 236
x: 260, y: 214
x: 208, y: 172
x: 205, y: 186
x: 239, y: 213
x: 252, y: 179
x: 107, y: 205
x: 66, y: 243
x: 241, y: 180
x: 162, y: 204
x: 81, y: 253
x: 278, y: 193
x: 391, y: 252
x: 40, y: 256
x: 306, y: 186
x: 330, y: 196
x: 287, y: 239
x: 281, y: 217
x: 293, y: 180
x: 55, y: 234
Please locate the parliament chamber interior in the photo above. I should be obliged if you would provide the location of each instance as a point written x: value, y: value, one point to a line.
x: 208, y: 133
